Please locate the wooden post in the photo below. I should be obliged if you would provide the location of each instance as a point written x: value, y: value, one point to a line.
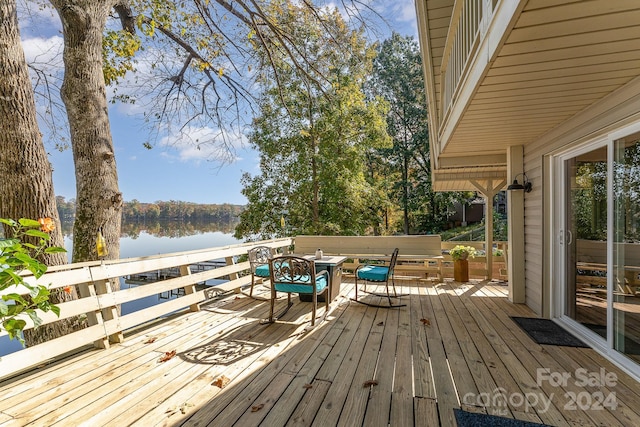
x: 233, y: 276
x: 94, y: 317
x: 461, y: 270
x: 515, y: 217
x: 111, y: 312
x: 489, y: 191
x: 189, y: 289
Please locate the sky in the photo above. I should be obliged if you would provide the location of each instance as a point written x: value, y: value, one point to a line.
x: 173, y: 169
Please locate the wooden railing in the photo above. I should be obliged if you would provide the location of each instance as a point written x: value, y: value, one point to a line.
x: 99, y: 298
x: 469, y: 22
x: 478, y: 266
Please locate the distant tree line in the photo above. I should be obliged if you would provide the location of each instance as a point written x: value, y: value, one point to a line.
x: 135, y: 211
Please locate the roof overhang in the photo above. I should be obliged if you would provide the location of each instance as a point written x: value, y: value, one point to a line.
x: 534, y: 66
x: 470, y: 173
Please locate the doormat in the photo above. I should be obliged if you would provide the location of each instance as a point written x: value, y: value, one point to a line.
x: 545, y: 331
x: 473, y: 419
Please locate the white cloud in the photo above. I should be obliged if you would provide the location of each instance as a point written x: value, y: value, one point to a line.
x: 44, y: 52
x: 37, y: 18
x: 398, y: 14
x: 197, y: 144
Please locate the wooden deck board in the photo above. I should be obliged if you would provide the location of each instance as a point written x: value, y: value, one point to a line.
x: 448, y: 341
x: 445, y: 390
x: 538, y: 357
x: 505, y: 360
x: 380, y: 393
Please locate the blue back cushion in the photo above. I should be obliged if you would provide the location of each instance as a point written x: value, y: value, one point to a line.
x: 374, y: 273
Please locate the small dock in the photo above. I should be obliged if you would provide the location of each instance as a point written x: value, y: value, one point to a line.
x: 173, y: 272
x: 452, y: 347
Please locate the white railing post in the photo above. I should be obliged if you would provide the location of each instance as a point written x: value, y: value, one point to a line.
x: 233, y: 276
x: 111, y: 312
x: 88, y: 290
x: 185, y: 270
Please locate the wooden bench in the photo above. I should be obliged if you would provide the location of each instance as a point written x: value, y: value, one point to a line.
x: 591, y: 261
x: 419, y: 255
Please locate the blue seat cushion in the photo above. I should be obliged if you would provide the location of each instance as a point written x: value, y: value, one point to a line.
x: 375, y: 273
x: 301, y: 288
x: 262, y: 270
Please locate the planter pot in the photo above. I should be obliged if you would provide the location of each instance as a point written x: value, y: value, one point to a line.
x: 461, y: 270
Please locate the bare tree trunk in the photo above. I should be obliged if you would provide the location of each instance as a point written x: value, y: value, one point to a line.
x: 26, y: 182
x: 98, y: 198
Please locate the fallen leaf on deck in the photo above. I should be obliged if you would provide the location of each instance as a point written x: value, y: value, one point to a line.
x: 381, y: 324
x: 307, y: 386
x: 151, y: 340
x: 182, y: 408
x: 167, y: 356
x: 426, y: 322
x: 257, y: 407
x: 370, y: 383
x: 221, y: 382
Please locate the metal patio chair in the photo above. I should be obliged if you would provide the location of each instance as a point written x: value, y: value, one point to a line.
x: 376, y: 273
x: 292, y: 274
x: 259, y: 264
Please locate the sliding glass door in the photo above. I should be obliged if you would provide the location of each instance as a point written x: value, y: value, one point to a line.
x: 584, y: 239
x: 626, y: 246
x: 597, y: 227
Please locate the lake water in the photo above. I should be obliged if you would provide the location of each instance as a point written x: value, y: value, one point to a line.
x: 142, y: 245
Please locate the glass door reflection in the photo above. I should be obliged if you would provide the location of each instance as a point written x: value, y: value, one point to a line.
x: 626, y: 248
x: 585, y: 239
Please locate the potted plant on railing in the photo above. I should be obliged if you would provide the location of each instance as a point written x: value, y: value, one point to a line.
x: 460, y: 255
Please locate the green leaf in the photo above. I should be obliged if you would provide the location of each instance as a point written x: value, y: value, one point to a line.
x: 25, y: 258
x: 9, y: 222
x: 29, y: 223
x: 6, y: 243
x: 40, y: 295
x: 14, y: 327
x: 55, y: 309
x: 54, y: 250
x: 13, y: 297
x: 38, y: 233
x: 4, y: 309
x: 37, y: 321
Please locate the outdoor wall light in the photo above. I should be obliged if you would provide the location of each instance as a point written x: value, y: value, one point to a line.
x: 526, y: 184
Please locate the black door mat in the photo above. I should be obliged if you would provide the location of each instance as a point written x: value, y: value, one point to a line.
x: 545, y: 331
x: 473, y: 419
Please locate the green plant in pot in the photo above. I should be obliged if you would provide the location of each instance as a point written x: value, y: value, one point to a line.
x: 461, y: 252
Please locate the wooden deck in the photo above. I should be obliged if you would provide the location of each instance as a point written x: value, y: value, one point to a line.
x: 452, y: 346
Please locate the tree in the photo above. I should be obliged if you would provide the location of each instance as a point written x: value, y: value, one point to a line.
x: 312, y: 138
x: 26, y: 182
x: 398, y: 78
x: 201, y: 75
x: 202, y: 57
x: 98, y: 198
